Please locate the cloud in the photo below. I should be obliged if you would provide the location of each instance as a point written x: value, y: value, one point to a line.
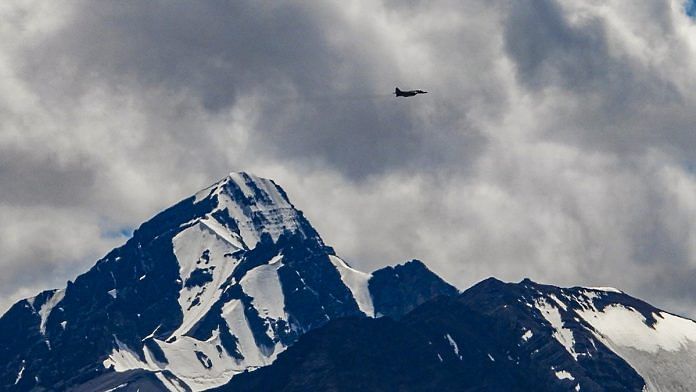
x: 557, y: 141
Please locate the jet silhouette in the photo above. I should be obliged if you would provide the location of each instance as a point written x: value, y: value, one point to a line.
x: 409, y: 93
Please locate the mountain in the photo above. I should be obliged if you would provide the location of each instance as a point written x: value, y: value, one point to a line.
x: 495, y: 336
x: 232, y: 289
x: 216, y: 285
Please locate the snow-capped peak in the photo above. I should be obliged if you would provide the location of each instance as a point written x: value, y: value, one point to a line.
x: 252, y: 275
x: 242, y: 185
x: 251, y: 206
x: 216, y: 285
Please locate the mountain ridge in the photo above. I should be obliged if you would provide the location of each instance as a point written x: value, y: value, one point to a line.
x: 495, y: 336
x: 233, y: 289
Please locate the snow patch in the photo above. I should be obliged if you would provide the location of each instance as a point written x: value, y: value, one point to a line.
x: 207, y: 192
x: 558, y: 302
x: 215, y: 227
x: 561, y: 334
x: 454, y: 345
x: 116, y: 387
x: 527, y: 335
x: 263, y: 284
x: 47, y: 308
x: 663, y: 354
x: 152, y: 334
x: 607, y: 289
x: 626, y: 327
x: 122, y: 358
x: 19, y: 375
x: 564, y: 375
x: 357, y: 283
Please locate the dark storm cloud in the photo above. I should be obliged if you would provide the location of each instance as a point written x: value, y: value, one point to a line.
x: 320, y: 97
x: 548, y: 51
x: 35, y: 180
x: 213, y: 50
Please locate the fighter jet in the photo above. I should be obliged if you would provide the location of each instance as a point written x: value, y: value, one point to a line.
x: 409, y: 93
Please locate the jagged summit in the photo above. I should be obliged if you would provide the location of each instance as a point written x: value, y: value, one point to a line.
x: 251, y: 186
x: 250, y: 207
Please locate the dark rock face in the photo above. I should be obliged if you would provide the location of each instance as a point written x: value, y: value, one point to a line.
x: 489, y: 338
x: 349, y: 354
x: 398, y: 290
x: 313, y: 290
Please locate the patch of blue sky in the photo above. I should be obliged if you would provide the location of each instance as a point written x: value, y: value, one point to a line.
x: 690, y: 8
x: 122, y: 232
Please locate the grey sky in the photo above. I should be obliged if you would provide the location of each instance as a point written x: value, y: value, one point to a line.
x: 557, y: 141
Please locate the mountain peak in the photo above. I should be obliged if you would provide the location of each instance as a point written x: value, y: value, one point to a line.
x: 412, y: 280
x: 245, y: 185
x: 215, y: 285
x: 251, y: 207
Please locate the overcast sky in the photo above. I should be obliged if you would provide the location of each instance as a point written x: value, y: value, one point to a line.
x: 557, y: 141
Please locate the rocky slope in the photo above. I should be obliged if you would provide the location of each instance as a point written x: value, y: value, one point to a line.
x: 495, y: 337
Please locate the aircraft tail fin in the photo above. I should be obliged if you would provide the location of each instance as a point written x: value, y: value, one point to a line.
x: 397, y: 91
